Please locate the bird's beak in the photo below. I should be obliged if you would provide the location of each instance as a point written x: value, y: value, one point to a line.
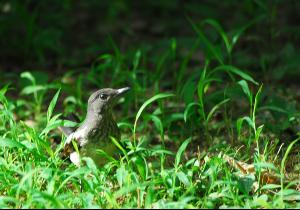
x: 122, y: 90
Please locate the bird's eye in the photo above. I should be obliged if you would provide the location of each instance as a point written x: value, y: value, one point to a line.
x: 103, y: 96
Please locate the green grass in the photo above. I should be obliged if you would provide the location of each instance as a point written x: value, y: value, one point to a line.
x: 170, y: 173
x: 180, y: 123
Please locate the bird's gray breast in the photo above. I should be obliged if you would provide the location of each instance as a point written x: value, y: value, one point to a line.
x: 103, y: 131
x: 99, y: 138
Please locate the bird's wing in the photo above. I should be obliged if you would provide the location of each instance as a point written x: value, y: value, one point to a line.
x: 68, y: 146
x: 70, y: 134
x: 68, y: 130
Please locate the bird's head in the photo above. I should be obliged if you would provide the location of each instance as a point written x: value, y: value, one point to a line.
x: 103, y: 99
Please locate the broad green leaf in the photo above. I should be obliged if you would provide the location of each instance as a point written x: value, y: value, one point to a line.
x: 149, y: 101
x: 51, y: 126
x: 262, y: 201
x: 4, y: 90
x: 212, y: 50
x: 68, y: 123
x: 212, y: 111
x: 250, y: 122
x: 150, y: 196
x: 33, y: 89
x: 232, y: 69
x: 54, y: 118
x: 157, y: 122
x: 28, y: 76
x: 240, y: 123
x: 246, y: 89
x: 52, y: 105
x: 220, y: 30
x: 121, y: 175
x: 161, y: 151
x: 141, y: 165
x: 115, y: 142
x: 188, y: 90
x: 201, y: 89
x: 105, y: 155
x: 187, y: 109
x: 90, y: 164
x: 183, y: 178
x: 125, y: 125
x: 181, y: 149
x: 284, y: 160
x: 258, y: 132
x: 256, y: 98
x: 290, y: 195
x: 265, y: 165
x: 270, y: 187
x: 70, y: 99
x: 246, y: 182
x: 10, y: 143
x: 202, y: 83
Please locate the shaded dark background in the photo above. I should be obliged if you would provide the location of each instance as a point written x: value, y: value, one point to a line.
x: 58, y: 35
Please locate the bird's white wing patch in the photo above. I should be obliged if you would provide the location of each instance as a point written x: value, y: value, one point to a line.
x: 78, y: 134
x: 69, y: 138
x: 75, y: 158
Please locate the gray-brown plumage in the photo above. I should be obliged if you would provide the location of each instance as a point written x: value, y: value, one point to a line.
x: 97, y: 128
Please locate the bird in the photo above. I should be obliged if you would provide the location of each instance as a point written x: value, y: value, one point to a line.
x: 97, y: 128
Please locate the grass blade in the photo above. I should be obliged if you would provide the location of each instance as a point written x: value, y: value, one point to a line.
x: 181, y: 150
x: 212, y: 111
x: 220, y: 30
x: 232, y: 69
x: 149, y: 101
x: 52, y: 105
